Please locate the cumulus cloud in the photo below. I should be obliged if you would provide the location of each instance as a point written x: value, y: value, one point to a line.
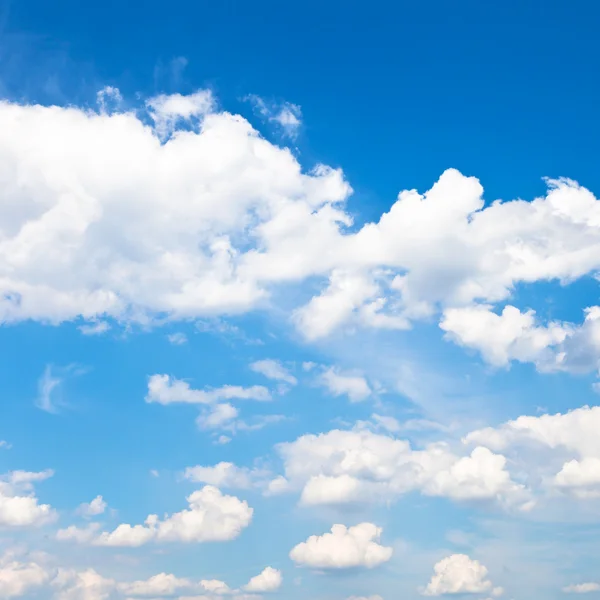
x: 343, y: 548
x: 211, y: 516
x: 181, y: 210
x: 568, y: 443
x: 18, y: 578
x: 341, y: 467
x: 273, y: 369
x: 459, y: 574
x: 344, y: 384
x: 269, y: 580
x: 90, y: 509
x: 19, y: 507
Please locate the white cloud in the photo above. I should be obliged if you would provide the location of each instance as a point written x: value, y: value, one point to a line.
x: 168, y: 110
x: 96, y: 507
x: 217, y: 416
x: 225, y: 475
x: 20, y: 578
x: 82, y: 585
x: 209, y: 222
x: 459, y: 574
x: 344, y: 384
x: 582, y: 588
x: 269, y: 580
x: 273, y: 369
x: 163, y: 389
x: 80, y: 535
x: 19, y: 507
x: 374, y: 597
x: 287, y: 115
x: 163, y: 584
x: 46, y: 386
x: 568, y: 443
x: 340, y: 467
x: 6, y: 445
x: 178, y: 338
x: 343, y: 548
x: 211, y: 516
x: 97, y: 328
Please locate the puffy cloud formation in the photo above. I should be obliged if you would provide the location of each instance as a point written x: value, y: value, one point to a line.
x: 344, y: 384
x: 19, y: 506
x: 343, y: 548
x: 90, y: 509
x: 211, y: 516
x: 569, y: 444
x: 196, y: 214
x: 20, y: 578
x: 582, y: 588
x: 359, y: 465
x: 268, y: 580
x: 273, y: 369
x: 163, y: 584
x: 459, y: 574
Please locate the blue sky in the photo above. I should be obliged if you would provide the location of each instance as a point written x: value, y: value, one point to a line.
x: 299, y: 300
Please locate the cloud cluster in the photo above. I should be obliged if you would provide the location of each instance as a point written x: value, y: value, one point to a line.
x: 196, y: 214
x: 23, y: 575
x: 359, y: 465
x: 211, y: 516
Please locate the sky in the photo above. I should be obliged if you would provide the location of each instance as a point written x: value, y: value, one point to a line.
x: 299, y: 300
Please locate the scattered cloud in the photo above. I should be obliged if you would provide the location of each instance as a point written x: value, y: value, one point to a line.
x: 269, y: 580
x: 582, y: 588
x: 343, y: 548
x: 459, y: 574
x: 273, y: 369
x: 344, y: 384
x: 91, y: 509
x: 178, y: 338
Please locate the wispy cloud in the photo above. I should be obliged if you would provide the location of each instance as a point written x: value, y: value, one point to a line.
x: 49, y: 396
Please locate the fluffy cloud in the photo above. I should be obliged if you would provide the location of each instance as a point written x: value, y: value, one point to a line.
x: 459, y: 574
x: 343, y: 384
x: 19, y: 507
x: 163, y: 389
x: 273, y: 369
x: 163, y: 584
x: 82, y: 585
x: 90, y: 509
x: 359, y: 465
x: 582, y: 588
x: 19, y: 578
x: 211, y: 220
x: 513, y: 335
x: 269, y: 580
x: 343, y: 548
x: 561, y: 450
x: 211, y: 516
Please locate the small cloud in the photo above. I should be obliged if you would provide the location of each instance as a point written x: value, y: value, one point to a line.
x: 154, y: 473
x: 90, y: 509
x: 49, y: 386
x: 5, y: 445
x: 286, y: 115
x: 109, y: 99
x: 177, y: 339
x: 97, y: 328
x: 273, y: 369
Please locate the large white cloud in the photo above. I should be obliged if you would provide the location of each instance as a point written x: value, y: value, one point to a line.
x: 210, y: 220
x: 343, y: 548
x: 18, y: 578
x: 459, y: 574
x: 359, y: 465
x: 211, y: 516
